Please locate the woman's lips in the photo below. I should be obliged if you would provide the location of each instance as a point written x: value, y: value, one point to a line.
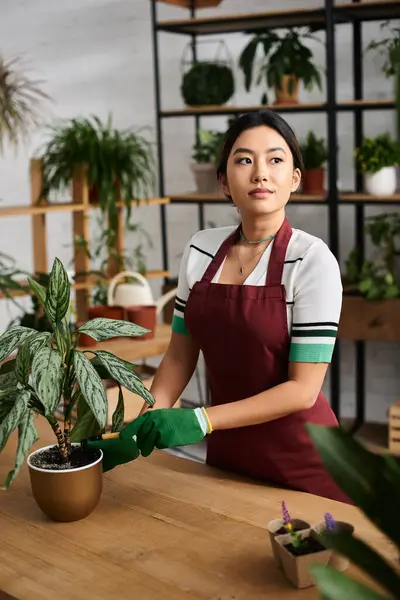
x: 260, y: 193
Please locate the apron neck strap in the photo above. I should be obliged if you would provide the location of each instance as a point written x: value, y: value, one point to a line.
x: 278, y: 254
x: 219, y: 257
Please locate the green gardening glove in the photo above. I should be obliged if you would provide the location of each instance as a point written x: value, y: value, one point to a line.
x: 167, y: 428
x: 115, y: 451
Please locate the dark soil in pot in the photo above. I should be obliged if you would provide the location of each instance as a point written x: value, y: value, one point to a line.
x: 313, y: 546
x: 51, y: 458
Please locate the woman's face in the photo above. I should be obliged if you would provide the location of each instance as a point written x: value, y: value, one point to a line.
x: 260, y: 174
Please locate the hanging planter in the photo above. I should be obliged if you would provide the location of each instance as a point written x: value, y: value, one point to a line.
x: 207, y: 82
x: 377, y: 159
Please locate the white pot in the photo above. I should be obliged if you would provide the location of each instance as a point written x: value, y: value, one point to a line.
x: 381, y: 183
x: 205, y: 176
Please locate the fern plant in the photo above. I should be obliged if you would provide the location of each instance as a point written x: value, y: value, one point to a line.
x: 49, y: 370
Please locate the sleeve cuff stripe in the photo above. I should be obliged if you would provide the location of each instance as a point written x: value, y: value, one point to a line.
x: 311, y: 333
x: 311, y: 352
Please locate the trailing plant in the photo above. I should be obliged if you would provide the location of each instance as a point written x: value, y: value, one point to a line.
x: 208, y: 146
x: 207, y: 83
x: 314, y: 152
x: 377, y: 279
x: 49, y: 369
x: 372, y: 482
x: 283, y: 54
x: 118, y: 164
x: 21, y: 103
x: 376, y: 153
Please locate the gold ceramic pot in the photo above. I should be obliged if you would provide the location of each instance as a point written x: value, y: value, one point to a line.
x: 66, y: 495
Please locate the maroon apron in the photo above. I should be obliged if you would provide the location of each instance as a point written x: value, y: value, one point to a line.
x: 242, y: 331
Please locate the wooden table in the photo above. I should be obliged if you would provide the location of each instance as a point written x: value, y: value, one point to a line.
x: 165, y: 529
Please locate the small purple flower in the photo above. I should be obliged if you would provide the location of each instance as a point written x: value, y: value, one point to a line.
x: 287, y: 521
x: 330, y: 522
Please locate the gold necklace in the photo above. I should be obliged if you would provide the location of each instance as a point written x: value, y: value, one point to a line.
x: 241, y: 264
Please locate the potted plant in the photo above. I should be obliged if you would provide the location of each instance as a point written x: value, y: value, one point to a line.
x: 286, y: 62
x: 372, y: 481
x: 48, y: 370
x: 21, y: 103
x: 330, y: 525
x: 315, y: 154
x: 207, y: 84
x: 297, y: 550
x: 279, y: 527
x: 205, y: 154
x: 377, y: 159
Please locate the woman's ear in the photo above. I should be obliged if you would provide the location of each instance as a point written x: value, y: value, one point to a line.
x: 223, y: 182
x: 296, y: 179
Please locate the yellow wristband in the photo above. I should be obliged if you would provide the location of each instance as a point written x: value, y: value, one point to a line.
x: 210, y: 429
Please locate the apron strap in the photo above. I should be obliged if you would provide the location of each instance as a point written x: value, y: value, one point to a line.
x: 278, y: 254
x: 219, y: 257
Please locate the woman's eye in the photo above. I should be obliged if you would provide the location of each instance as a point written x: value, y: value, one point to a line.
x: 277, y: 159
x: 244, y: 161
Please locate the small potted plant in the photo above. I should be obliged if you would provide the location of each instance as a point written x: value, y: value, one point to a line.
x: 205, y: 155
x: 278, y: 527
x: 298, y: 550
x: 49, y: 372
x: 377, y: 159
x: 315, y: 153
x: 286, y: 62
x: 207, y: 84
x: 328, y: 524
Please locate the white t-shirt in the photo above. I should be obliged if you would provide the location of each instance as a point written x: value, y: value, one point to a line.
x: 311, y: 277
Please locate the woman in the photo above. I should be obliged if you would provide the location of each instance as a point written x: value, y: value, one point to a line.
x: 262, y: 302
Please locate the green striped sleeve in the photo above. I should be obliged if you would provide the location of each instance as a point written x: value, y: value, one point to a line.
x: 313, y: 342
x: 178, y: 325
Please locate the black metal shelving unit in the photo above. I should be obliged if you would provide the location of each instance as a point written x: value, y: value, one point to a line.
x: 327, y: 18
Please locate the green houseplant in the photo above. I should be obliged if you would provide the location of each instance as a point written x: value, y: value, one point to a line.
x: 207, y: 83
x: 315, y: 153
x: 49, y: 371
x: 205, y: 153
x: 286, y: 61
x: 372, y: 481
x: 377, y: 159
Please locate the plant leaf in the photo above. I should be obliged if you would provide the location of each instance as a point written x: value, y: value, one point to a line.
x: 8, y: 380
x: 118, y: 371
x: 13, y: 416
x: 338, y: 586
x: 91, y: 387
x: 12, y: 338
x: 363, y: 475
x: 23, y: 363
x: 103, y: 329
x: 38, y: 290
x: 39, y: 340
x: 27, y: 436
x: 102, y: 371
x: 47, y: 375
x: 119, y: 413
x: 86, y: 425
x: 58, y: 293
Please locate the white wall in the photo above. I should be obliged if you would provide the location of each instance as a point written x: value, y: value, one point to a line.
x: 96, y: 56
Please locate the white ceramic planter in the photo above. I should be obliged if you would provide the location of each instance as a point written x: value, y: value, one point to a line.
x: 382, y: 183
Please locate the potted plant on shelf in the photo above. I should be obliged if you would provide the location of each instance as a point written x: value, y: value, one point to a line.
x: 205, y: 154
x: 377, y: 159
x: 330, y: 525
x: 372, y: 482
x: 286, y: 62
x: 315, y: 154
x: 49, y: 370
x: 207, y: 84
x: 279, y: 527
x: 297, y: 550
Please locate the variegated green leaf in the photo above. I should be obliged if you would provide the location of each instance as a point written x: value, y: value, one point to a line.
x: 8, y: 380
x: 7, y: 403
x: 104, y: 329
x: 38, y: 290
x: 27, y: 436
x: 85, y: 427
x: 58, y: 293
x: 23, y: 363
x: 8, y: 391
x: 118, y: 371
x: 13, y: 417
x: 38, y: 341
x: 91, y: 386
x: 47, y: 376
x: 12, y: 338
x: 119, y: 413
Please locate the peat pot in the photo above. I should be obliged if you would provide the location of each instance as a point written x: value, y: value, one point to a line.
x: 275, y: 528
x: 66, y: 494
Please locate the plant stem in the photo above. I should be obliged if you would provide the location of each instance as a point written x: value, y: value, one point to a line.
x: 60, y: 438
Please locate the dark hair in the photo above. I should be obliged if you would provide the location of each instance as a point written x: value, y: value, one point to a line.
x: 261, y: 117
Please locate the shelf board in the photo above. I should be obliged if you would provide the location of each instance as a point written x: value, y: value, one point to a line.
x: 12, y: 211
x: 348, y: 105
x: 191, y: 198
x: 343, y: 13
x: 356, y: 198
x: 83, y: 285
